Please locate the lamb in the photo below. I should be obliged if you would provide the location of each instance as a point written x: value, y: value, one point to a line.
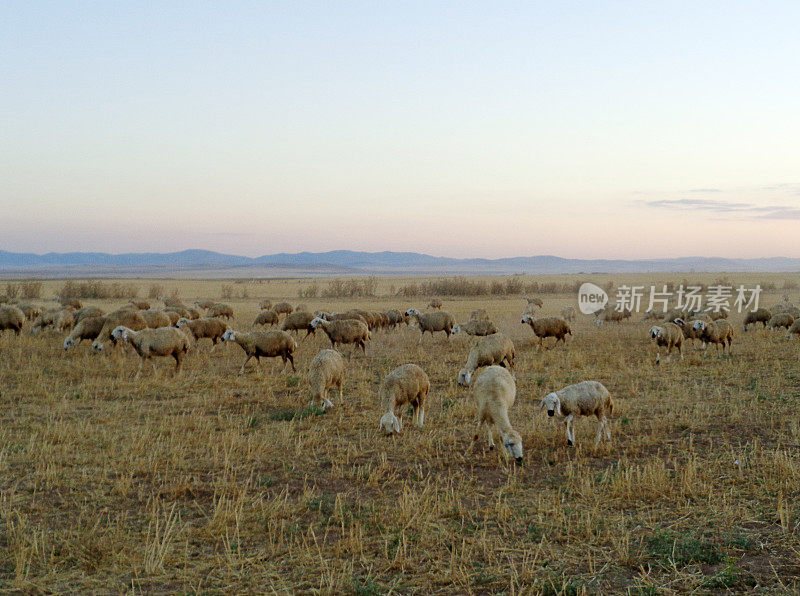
x: 87, y: 328
x: 127, y: 318
x: 548, y: 327
x: 87, y: 311
x: 716, y: 332
x: 406, y: 384
x: 265, y: 304
x: 432, y: 321
x: 208, y: 327
x: 479, y: 314
x: 163, y: 341
x: 435, y: 304
x: 345, y: 331
x: 475, y: 327
x: 568, y: 314
x: 325, y: 372
x: 781, y: 319
x: 220, y: 310
x: 495, y: 392
x: 156, y: 318
x: 140, y: 304
x: 794, y: 329
x: 753, y: 317
x: 299, y: 321
x: 204, y: 304
x: 535, y: 301
x: 495, y: 349
x: 266, y: 317
x: 582, y: 399
x: 269, y: 344
x: 11, y: 318
x: 283, y: 308
x: 669, y: 335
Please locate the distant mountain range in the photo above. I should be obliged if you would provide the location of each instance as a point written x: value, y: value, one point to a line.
x: 355, y: 262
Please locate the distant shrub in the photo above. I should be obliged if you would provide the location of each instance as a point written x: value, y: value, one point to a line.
x: 155, y: 291
x: 790, y: 285
x: 98, y: 290
x: 350, y: 288
x: 311, y: 291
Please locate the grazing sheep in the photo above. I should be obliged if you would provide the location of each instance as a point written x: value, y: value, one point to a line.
x: 267, y: 344
x: 794, y: 329
x: 163, y: 341
x: 64, y: 320
x: 265, y: 304
x: 140, y: 304
x: 582, y: 399
x: 11, y: 318
x: 479, y: 314
x: 126, y: 318
x: 396, y: 317
x: 610, y: 314
x: 494, y: 349
x: 495, y: 392
x: 204, y: 304
x: 432, y: 321
x: 669, y: 335
x: 760, y: 315
x: 71, y: 302
x: 781, y: 319
x: 87, y: 328
x: 435, y: 304
x: 266, y: 317
x: 30, y: 311
x: 44, y: 320
x: 406, y: 384
x: 548, y: 327
x: 325, y: 372
x: 156, y: 318
x: 174, y: 316
x: 345, y: 331
x: 283, y: 308
x: 535, y: 301
x: 87, y: 311
x: 208, y: 327
x: 172, y: 302
x: 716, y: 332
x: 568, y: 314
x: 220, y: 310
x: 193, y: 314
x: 475, y: 327
x: 298, y: 321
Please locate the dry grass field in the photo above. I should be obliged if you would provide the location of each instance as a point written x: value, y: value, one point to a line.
x: 212, y: 482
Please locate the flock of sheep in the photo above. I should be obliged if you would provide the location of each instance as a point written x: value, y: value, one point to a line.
x: 171, y: 329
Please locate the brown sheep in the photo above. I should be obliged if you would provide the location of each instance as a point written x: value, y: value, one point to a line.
x: 345, y: 331
x: 164, y: 341
x: 435, y: 304
x: 753, y: 317
x: 11, y: 318
x: 548, y: 327
x: 716, y: 332
x: 267, y: 344
x: 406, y: 384
x: 220, y: 310
x: 432, y: 321
x: 207, y: 327
x: 87, y: 328
x: 266, y: 317
x: 298, y: 321
x: 283, y: 308
x: 127, y: 318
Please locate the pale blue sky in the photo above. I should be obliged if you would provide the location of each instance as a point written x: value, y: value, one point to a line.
x: 583, y: 129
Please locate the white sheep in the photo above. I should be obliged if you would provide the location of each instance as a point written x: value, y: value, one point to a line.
x: 495, y: 392
x: 406, y: 384
x: 486, y: 351
x: 582, y: 399
x: 269, y: 344
x: 325, y: 372
x: 163, y: 341
x: 439, y: 320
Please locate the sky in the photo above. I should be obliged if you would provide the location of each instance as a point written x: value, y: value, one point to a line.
x: 465, y: 129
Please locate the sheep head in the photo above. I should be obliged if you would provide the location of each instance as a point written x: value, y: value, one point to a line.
x: 120, y: 333
x: 316, y: 322
x: 229, y: 335
x: 464, y: 377
x: 412, y: 312
x: 699, y: 326
x: 527, y: 319
x: 68, y: 343
x: 552, y: 403
x: 456, y: 329
x: 390, y: 423
x: 181, y: 322
x: 656, y: 332
x: 512, y: 441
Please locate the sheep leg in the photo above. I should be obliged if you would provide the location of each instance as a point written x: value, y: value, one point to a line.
x: 601, y: 423
x: 607, y: 427
x: 291, y: 361
x: 178, y: 361
x: 155, y: 372
x: 141, y: 364
x: 570, y: 433
x: 420, y: 416
x: 246, y: 360
x: 491, y: 438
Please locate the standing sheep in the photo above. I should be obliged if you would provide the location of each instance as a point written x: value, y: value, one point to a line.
x: 479, y: 314
x: 669, y: 335
x: 283, y: 308
x: 156, y: 318
x: 266, y: 317
x: 325, y: 372
x: 716, y: 332
x: 534, y: 301
x: 267, y: 344
x: 407, y: 384
x: 435, y: 304
x: 345, y: 331
x: 753, y: 317
x: 140, y: 304
x: 220, y: 310
x: 396, y: 317
x: 495, y: 392
x: 794, y: 329
x: 432, y: 321
x: 582, y: 399
x: 478, y: 327
x: 496, y: 349
x: 568, y: 314
x: 265, y: 304
x: 548, y: 327
x: 30, y: 311
x: 163, y: 341
x: 11, y: 318
x: 298, y: 321
x: 207, y: 327
x: 172, y: 302
x: 204, y: 304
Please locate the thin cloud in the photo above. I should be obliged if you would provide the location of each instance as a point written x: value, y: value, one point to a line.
x: 743, y: 209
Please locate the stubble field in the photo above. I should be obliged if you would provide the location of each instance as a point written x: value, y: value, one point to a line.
x: 211, y: 482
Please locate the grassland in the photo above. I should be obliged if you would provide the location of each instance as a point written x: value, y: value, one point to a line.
x: 217, y: 483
